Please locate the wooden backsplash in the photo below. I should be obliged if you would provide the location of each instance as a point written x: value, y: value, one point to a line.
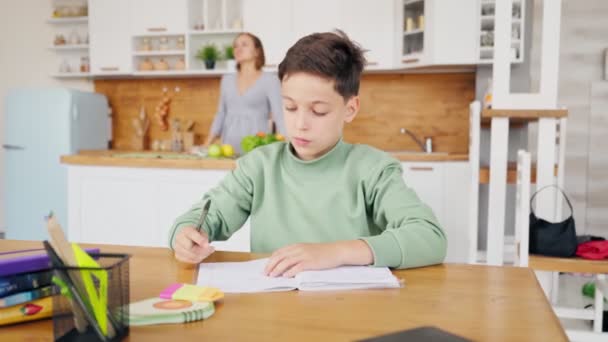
x: 434, y: 105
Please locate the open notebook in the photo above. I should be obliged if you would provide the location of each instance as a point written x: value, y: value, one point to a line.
x: 240, y: 277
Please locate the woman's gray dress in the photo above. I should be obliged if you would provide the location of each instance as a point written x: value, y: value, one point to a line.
x: 244, y: 114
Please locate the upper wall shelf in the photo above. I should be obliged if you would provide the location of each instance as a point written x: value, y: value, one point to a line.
x: 158, y: 34
x: 160, y: 53
x: 212, y: 32
x: 76, y: 47
x: 183, y: 73
x: 416, y: 31
x: 72, y: 75
x: 68, y: 20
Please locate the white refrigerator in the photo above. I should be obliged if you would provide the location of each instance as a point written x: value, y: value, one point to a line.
x: 40, y: 126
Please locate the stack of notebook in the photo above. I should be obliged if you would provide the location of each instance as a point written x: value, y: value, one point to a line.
x: 26, y: 291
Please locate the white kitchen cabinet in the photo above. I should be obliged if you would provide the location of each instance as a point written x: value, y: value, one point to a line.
x: 310, y: 16
x: 456, y: 205
x: 438, y: 32
x: 371, y: 24
x: 427, y: 180
x: 137, y: 206
x: 273, y: 27
x: 444, y: 187
x: 453, y: 32
x: 109, y: 213
x: 158, y: 16
x: 109, y: 36
x: 397, y: 34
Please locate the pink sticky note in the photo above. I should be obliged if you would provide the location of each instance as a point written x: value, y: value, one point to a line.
x: 169, y: 291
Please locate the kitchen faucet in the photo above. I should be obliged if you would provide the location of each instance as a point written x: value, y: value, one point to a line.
x: 426, y: 147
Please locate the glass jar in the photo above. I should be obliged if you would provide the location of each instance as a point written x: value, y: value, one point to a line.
x: 145, y: 45
x: 164, y: 44
x: 84, y: 64
x: 181, y: 43
x: 74, y: 39
x: 180, y: 64
x: 64, y: 67
x: 421, y: 22
x: 161, y: 65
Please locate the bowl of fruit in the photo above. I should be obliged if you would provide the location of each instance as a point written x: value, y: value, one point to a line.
x: 250, y: 142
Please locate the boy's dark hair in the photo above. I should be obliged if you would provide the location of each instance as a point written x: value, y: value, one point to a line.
x: 330, y: 55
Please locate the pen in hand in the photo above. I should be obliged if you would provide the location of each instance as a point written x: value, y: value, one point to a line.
x: 192, y: 242
x: 201, y: 219
x: 201, y: 222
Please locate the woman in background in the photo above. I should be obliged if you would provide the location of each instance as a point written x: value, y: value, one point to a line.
x: 250, y: 99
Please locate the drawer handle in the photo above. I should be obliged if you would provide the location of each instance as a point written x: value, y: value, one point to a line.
x: 421, y: 168
x: 109, y: 68
x: 157, y: 29
x: 371, y: 63
x: 13, y: 147
x: 270, y: 65
x: 410, y: 60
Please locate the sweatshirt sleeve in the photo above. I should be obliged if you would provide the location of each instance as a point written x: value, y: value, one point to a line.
x: 230, y: 206
x: 411, y: 236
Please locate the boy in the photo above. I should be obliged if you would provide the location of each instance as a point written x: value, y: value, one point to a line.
x: 317, y: 202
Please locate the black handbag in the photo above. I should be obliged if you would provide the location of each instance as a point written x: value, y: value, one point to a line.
x: 556, y: 239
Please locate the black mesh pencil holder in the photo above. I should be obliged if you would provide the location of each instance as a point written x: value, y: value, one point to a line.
x: 76, y: 300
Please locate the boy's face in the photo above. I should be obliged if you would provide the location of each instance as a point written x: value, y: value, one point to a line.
x: 314, y: 113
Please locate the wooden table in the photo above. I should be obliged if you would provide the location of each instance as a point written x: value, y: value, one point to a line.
x: 478, y: 302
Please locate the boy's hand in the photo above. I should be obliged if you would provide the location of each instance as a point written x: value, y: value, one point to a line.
x: 293, y: 259
x: 192, y: 246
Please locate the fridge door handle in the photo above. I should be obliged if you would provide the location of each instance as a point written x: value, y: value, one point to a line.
x: 74, y: 113
x: 13, y: 147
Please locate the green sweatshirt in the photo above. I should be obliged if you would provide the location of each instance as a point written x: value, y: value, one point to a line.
x: 351, y: 192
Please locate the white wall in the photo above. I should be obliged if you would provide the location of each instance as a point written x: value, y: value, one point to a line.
x: 25, y: 60
x: 583, y: 38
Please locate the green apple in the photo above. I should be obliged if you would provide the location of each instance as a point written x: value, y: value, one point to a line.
x: 227, y: 150
x: 214, y: 151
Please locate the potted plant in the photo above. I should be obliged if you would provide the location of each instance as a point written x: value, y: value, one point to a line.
x: 208, y: 54
x: 229, y: 57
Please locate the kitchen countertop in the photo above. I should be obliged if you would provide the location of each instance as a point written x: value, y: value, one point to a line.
x: 171, y: 160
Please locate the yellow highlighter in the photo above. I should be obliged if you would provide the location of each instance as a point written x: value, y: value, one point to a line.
x: 192, y: 293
